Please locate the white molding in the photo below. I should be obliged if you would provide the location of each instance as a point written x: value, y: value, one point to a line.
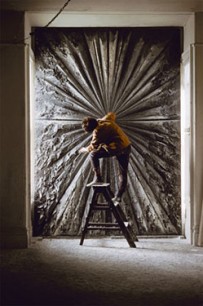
x: 196, y: 137
x: 108, y: 19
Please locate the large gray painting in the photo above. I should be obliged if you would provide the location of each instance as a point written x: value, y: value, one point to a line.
x: 134, y: 72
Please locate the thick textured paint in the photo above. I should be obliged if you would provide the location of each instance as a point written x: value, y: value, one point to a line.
x: 134, y: 72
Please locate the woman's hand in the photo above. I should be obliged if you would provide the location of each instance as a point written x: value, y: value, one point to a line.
x: 83, y: 150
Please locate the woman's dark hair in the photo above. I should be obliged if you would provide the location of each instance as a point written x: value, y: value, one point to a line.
x: 89, y: 124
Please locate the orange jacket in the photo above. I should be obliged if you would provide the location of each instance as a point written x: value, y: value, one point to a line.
x: 108, y: 135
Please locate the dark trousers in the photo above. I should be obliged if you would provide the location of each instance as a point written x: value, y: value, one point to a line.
x: 123, y: 160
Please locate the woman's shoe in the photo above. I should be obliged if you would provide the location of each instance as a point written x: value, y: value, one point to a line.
x: 116, y: 199
x: 95, y: 181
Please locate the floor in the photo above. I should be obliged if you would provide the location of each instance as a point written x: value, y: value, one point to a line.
x: 106, y: 271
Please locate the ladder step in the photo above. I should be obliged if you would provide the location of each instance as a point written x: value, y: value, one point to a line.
x: 103, y: 224
x: 101, y: 207
x: 113, y: 228
x: 102, y: 203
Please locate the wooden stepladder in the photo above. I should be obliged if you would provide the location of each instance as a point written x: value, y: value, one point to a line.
x: 121, y: 224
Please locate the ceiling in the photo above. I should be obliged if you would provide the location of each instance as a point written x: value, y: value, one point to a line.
x: 105, y: 5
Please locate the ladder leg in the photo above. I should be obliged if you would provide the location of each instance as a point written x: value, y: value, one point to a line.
x: 119, y: 217
x: 123, y: 217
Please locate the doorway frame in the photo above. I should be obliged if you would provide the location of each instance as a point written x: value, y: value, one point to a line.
x: 128, y: 19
